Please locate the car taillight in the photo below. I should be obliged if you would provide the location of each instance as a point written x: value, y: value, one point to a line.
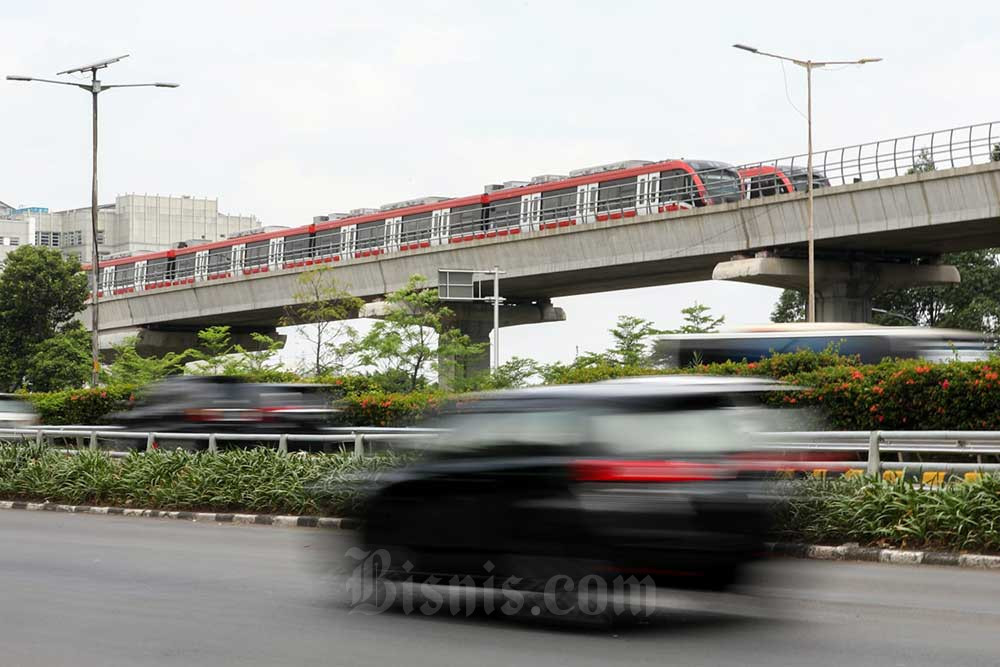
x: 613, y: 470
x: 201, y: 415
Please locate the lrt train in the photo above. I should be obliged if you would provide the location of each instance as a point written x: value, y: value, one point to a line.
x: 768, y: 180
x: 618, y: 190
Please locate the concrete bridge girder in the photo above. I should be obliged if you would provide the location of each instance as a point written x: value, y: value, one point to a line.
x: 844, y: 290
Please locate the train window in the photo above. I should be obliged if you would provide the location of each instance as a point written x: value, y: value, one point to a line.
x: 256, y: 253
x: 416, y: 227
x: 185, y: 265
x: 616, y: 194
x: 124, y: 275
x: 297, y: 247
x: 218, y: 259
x: 370, y: 234
x: 503, y: 213
x: 328, y: 241
x: 466, y: 218
x: 156, y: 270
x: 559, y: 204
x: 676, y: 185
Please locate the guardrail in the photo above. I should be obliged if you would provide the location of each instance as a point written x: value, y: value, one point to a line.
x: 874, y: 444
x: 358, y: 437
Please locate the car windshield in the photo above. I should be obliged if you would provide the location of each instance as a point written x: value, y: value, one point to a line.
x: 7, y: 405
x: 493, y: 432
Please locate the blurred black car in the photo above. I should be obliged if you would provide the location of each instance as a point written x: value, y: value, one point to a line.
x: 220, y: 404
x: 651, y: 476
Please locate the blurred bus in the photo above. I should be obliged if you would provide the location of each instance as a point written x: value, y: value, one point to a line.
x: 870, y: 342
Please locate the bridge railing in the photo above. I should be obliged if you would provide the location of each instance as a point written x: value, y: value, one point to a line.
x: 950, y: 452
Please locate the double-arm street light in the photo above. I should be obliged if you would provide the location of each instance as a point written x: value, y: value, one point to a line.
x: 95, y: 87
x: 809, y: 65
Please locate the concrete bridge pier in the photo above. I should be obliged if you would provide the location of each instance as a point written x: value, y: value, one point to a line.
x: 844, y: 289
x: 476, y: 321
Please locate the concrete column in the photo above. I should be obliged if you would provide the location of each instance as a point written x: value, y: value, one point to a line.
x: 476, y: 321
x: 844, y: 290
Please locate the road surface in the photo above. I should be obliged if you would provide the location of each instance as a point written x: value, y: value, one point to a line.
x: 89, y: 590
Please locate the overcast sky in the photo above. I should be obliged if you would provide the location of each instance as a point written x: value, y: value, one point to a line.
x: 291, y: 109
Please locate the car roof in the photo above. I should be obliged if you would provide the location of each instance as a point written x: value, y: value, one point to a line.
x: 638, y: 388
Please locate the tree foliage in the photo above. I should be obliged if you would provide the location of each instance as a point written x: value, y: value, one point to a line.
x: 321, y: 306
x: 40, y: 293
x: 924, y: 162
x: 698, y: 319
x: 415, y: 337
x: 791, y: 307
x: 129, y: 367
x: 631, y: 335
x: 60, y: 362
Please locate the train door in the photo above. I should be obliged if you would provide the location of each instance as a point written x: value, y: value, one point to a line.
x: 393, y: 232
x: 237, y: 257
x: 107, y: 279
x: 647, y: 188
x: 586, y: 202
x: 139, y: 280
x: 201, y: 265
x: 348, y: 239
x: 531, y: 210
x: 276, y: 252
x: 440, y: 224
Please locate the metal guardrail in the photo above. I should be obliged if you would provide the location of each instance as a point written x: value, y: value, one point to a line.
x: 874, y: 444
x: 360, y: 437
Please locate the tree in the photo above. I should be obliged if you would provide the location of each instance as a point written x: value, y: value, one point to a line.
x: 60, y: 362
x: 320, y: 307
x: 698, y: 319
x: 415, y: 337
x: 791, y: 307
x: 630, y: 334
x: 217, y: 354
x: 995, y: 153
x: 129, y: 367
x: 924, y: 162
x: 512, y: 374
x: 40, y: 293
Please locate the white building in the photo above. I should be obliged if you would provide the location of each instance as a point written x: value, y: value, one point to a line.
x: 133, y: 224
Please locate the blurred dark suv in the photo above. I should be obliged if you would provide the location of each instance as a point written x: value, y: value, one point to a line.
x: 652, y: 476
x: 219, y: 404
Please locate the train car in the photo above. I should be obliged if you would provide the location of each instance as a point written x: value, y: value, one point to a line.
x: 594, y: 194
x: 767, y: 180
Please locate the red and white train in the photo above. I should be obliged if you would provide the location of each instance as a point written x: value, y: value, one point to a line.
x: 618, y: 190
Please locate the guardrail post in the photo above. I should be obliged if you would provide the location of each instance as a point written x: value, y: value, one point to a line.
x: 150, y: 441
x: 359, y: 445
x: 283, y: 443
x: 874, y: 460
x: 212, y: 445
x: 39, y: 437
x: 93, y: 439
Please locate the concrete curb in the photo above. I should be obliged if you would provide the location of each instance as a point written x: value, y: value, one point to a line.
x: 856, y: 552
x: 217, y: 517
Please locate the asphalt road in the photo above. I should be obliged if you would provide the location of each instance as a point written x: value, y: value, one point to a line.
x: 89, y: 590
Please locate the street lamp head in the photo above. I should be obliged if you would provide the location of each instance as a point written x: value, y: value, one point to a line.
x: 865, y: 61
x: 17, y: 77
x: 162, y: 84
x: 744, y: 47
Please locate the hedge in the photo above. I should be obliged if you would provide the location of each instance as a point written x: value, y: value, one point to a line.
x: 82, y: 406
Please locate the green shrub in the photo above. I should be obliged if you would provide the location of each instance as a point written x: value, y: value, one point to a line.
x: 82, y: 406
x: 250, y: 480
x: 384, y: 409
x: 956, y: 516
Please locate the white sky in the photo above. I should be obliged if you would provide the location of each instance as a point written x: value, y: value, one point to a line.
x: 292, y: 109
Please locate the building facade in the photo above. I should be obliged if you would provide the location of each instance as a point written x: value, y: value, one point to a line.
x: 132, y: 225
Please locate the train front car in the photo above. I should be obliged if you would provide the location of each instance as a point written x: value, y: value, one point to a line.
x: 720, y: 181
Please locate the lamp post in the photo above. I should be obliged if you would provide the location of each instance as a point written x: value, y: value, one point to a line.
x: 809, y: 65
x: 95, y: 87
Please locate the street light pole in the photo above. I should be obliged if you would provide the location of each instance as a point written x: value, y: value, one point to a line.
x: 94, y: 88
x: 809, y: 65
